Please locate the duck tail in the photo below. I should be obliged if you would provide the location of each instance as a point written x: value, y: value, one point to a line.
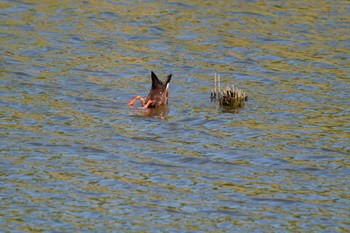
x: 156, y: 83
x: 168, y: 80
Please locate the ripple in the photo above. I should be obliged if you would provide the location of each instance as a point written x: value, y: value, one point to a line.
x: 74, y: 156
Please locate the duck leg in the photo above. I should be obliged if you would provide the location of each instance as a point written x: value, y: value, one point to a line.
x: 147, y: 104
x: 132, y: 102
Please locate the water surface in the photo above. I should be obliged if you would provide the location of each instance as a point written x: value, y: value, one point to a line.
x: 75, y: 157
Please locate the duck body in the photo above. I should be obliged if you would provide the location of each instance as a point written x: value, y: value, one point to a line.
x: 158, y: 95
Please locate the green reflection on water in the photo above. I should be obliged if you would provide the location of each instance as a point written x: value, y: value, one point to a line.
x: 77, y: 156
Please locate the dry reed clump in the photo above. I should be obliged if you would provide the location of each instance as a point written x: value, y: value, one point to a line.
x: 231, y: 97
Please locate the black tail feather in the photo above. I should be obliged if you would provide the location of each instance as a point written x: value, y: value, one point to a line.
x: 156, y: 83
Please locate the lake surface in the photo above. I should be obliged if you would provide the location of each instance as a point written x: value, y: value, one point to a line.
x: 74, y: 157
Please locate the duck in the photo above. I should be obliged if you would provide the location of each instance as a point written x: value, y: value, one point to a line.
x: 158, y: 95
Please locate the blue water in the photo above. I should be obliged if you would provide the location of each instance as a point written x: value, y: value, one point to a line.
x: 75, y: 157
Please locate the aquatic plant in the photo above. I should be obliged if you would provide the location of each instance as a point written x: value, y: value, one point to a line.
x: 230, y: 97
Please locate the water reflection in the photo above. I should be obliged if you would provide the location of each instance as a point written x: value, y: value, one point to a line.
x: 75, y: 157
x: 229, y: 109
x: 160, y: 113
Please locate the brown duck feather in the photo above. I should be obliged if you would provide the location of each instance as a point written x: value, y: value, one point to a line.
x: 159, y: 92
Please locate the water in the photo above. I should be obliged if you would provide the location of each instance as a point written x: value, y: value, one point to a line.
x: 75, y: 157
